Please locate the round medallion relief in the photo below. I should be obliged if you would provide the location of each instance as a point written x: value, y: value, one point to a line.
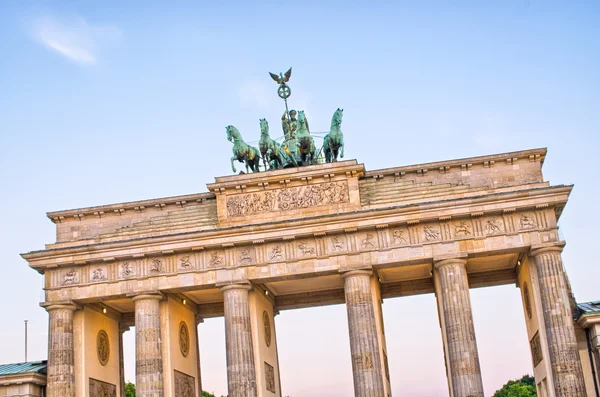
x: 267, y: 325
x: 527, y: 300
x: 184, y: 338
x: 102, y: 347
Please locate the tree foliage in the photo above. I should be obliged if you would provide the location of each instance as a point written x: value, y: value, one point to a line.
x: 129, y: 389
x: 524, y: 387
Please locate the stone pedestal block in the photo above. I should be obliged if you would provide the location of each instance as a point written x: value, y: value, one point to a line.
x: 364, y: 346
x: 241, y: 372
x: 148, y: 355
x: 61, y: 354
x: 567, y: 372
x: 454, y: 304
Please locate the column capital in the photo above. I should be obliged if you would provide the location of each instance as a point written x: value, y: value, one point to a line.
x: 245, y: 285
x: 544, y: 248
x: 146, y: 295
x: 450, y: 261
x: 360, y: 272
x: 68, y: 305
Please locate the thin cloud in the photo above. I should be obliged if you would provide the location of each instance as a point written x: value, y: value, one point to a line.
x: 74, y: 38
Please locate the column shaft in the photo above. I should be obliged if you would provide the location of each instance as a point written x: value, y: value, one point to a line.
x: 558, y: 320
x: 148, y: 351
x: 364, y: 347
x: 61, y: 353
x: 241, y: 373
x: 463, y: 358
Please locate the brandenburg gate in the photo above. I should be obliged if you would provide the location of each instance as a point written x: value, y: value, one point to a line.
x: 335, y: 233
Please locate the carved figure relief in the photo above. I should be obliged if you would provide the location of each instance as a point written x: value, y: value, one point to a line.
x: 184, y: 339
x: 245, y: 256
x: 216, y: 259
x: 267, y: 326
x: 185, y: 262
x: 527, y: 300
x: 276, y: 253
x: 430, y: 233
x: 98, y: 274
x: 462, y: 229
x: 305, y: 249
x: 70, y: 277
x: 269, y: 377
x: 526, y: 222
x: 156, y: 266
x: 185, y: 385
x: 369, y: 241
x: 288, y: 199
x: 399, y: 237
x: 536, y: 349
x: 102, y: 347
x: 127, y: 270
x: 492, y: 226
x: 337, y: 243
x: 102, y: 389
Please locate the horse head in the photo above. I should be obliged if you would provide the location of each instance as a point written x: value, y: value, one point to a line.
x: 336, y: 120
x: 232, y: 133
x: 264, y: 127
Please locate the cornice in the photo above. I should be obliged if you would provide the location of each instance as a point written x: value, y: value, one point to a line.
x: 131, y: 205
x: 510, y: 157
x: 363, y: 219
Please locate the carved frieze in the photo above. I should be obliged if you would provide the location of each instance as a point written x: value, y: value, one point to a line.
x: 98, y: 273
x: 306, y: 249
x: 185, y: 385
x: 276, y: 253
x: 369, y: 241
x: 288, y: 199
x: 493, y: 225
x: 432, y: 232
x: 269, y: 377
x: 127, y: 269
x: 400, y: 236
x: 184, y: 339
x: 102, y: 389
x: 536, y: 349
x: 70, y: 276
x: 246, y: 256
x: 527, y: 300
x: 527, y: 222
x: 157, y: 266
x: 102, y: 347
x: 186, y: 262
x: 463, y: 229
x: 338, y: 243
x: 216, y: 259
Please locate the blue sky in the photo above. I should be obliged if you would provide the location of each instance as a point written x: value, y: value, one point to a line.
x: 104, y: 102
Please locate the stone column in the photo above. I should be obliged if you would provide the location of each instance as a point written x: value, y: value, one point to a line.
x: 122, y: 330
x: 148, y: 349
x: 61, y: 353
x: 364, y: 347
x: 567, y: 372
x: 241, y: 373
x: 452, y: 291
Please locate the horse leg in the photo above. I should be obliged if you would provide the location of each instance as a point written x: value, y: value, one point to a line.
x: 233, y: 166
x: 342, y: 150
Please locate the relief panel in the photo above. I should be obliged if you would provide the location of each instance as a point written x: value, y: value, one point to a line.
x: 337, y: 243
x: 185, y: 385
x: 276, y: 252
x: 288, y: 199
x: 269, y: 377
x: 102, y: 389
x: 186, y: 262
x: 536, y: 349
x: 98, y: 273
x: 128, y: 269
x: 70, y: 276
x: 368, y: 241
x: 400, y: 236
x: 246, y: 256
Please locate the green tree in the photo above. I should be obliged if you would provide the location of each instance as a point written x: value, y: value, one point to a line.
x: 129, y: 390
x: 524, y: 387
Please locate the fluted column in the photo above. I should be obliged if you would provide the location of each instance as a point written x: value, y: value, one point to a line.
x: 61, y: 353
x: 567, y: 372
x: 364, y: 347
x: 452, y: 290
x: 148, y: 355
x: 241, y: 373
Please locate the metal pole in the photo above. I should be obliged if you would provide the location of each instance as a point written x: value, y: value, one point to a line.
x: 25, y: 340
